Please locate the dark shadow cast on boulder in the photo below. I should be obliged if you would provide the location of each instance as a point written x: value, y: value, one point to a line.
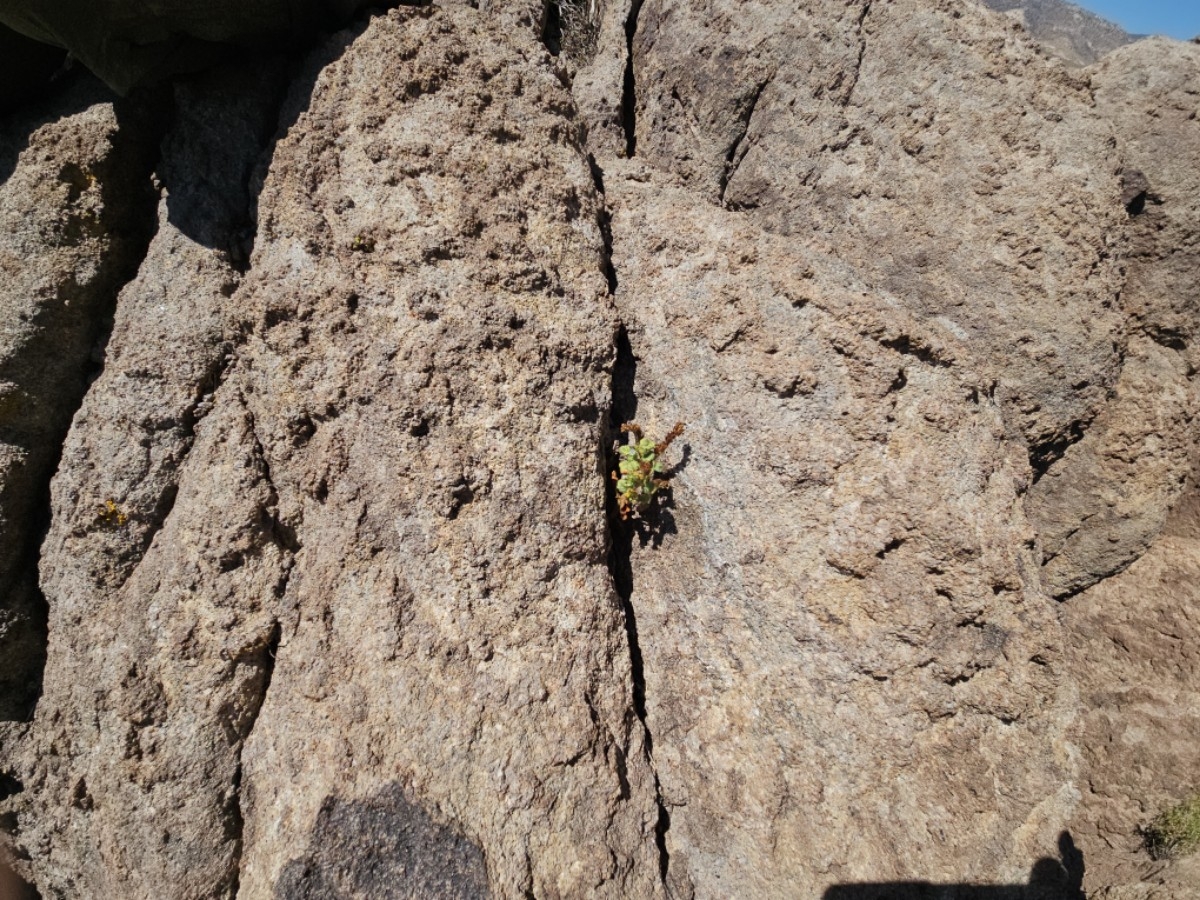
x: 1049, y: 879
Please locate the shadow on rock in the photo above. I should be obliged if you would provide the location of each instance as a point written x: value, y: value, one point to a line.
x: 1049, y: 879
x: 383, y: 847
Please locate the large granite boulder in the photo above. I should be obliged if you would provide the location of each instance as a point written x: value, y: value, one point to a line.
x: 330, y: 582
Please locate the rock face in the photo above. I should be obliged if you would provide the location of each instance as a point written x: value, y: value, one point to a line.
x: 821, y: 126
x: 74, y: 212
x: 820, y: 598
x: 427, y: 378
x: 1133, y: 652
x: 1133, y: 637
x: 143, y: 798
x: 337, y: 598
x: 1108, y: 497
x: 421, y: 376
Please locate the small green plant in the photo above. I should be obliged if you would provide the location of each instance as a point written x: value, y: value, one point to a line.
x: 1176, y: 832
x: 638, y: 462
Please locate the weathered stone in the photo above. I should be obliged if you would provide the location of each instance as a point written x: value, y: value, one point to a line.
x: 839, y: 613
x: 428, y: 374
x: 1133, y: 637
x: 339, y: 606
x: 74, y: 217
x: 144, y: 798
x: 603, y: 85
x: 1133, y: 652
x: 1148, y: 91
x: 392, y: 516
x: 957, y: 172
x: 1100, y: 506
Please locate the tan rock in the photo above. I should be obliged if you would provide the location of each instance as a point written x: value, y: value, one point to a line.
x: 851, y: 672
x: 428, y: 372
x: 75, y: 213
x: 339, y: 606
x: 1133, y: 637
x: 955, y: 170
x: 381, y: 593
x: 156, y: 658
x: 1100, y: 506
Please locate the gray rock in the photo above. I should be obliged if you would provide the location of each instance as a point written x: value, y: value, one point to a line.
x: 75, y: 212
x: 839, y: 610
x: 951, y: 167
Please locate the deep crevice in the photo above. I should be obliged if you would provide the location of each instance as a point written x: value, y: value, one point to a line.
x: 862, y: 50
x: 604, y: 221
x: 621, y: 533
x: 552, y: 28
x: 629, y: 85
x: 243, y: 234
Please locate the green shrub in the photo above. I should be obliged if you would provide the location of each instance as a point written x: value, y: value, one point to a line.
x: 638, y: 462
x: 1176, y: 832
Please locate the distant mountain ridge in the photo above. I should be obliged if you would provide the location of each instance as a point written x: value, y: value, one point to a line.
x: 1073, y: 34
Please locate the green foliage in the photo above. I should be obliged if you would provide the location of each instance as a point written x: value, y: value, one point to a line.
x: 1176, y: 832
x: 638, y: 464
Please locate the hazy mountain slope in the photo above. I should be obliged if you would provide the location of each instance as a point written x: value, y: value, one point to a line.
x: 1069, y: 32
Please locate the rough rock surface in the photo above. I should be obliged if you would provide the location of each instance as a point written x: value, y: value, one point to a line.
x: 1149, y: 92
x: 1103, y: 503
x: 1133, y: 650
x: 73, y: 225
x: 1134, y: 637
x: 428, y: 379
x: 952, y: 167
x: 338, y: 604
x: 142, y: 798
x: 793, y: 591
x: 421, y: 376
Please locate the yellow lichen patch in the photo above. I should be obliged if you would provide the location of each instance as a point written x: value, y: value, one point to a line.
x: 111, y: 515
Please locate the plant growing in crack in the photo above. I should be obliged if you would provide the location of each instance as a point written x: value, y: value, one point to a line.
x: 638, y: 464
x: 1176, y: 832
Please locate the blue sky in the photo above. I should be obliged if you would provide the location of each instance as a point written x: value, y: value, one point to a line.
x: 1175, y: 18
